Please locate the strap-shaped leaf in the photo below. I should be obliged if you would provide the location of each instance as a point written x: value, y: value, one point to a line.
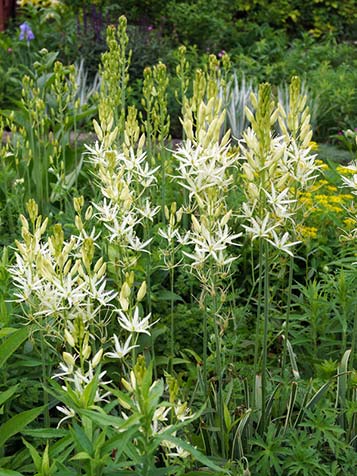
x: 11, y: 343
x: 17, y: 423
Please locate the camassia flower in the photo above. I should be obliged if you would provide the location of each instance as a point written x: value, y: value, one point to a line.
x: 135, y: 324
x: 120, y: 350
x: 210, y: 243
x: 282, y: 242
x: 260, y: 228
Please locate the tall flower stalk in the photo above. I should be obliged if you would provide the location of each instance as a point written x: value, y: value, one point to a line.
x: 115, y: 76
x: 273, y: 167
x: 170, y: 233
x: 294, y: 123
x: 156, y: 120
x: 204, y: 171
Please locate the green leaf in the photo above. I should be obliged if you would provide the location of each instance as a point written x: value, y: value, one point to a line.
x: 62, y: 448
x: 227, y: 417
x: 17, y: 423
x: 5, y: 331
x: 317, y: 397
x: 239, y: 433
x: 120, y: 441
x: 9, y: 472
x: 193, y: 451
x: 293, y: 360
x: 163, y: 471
x: 194, y: 355
x: 154, y: 395
x: 291, y: 404
x: 82, y: 439
x: 88, y: 395
x: 80, y: 456
x: 166, y: 295
x: 36, y: 458
x: 9, y: 346
x: 45, y: 432
x: 102, y: 419
x: 8, y: 393
x: 200, y: 473
x: 342, y: 378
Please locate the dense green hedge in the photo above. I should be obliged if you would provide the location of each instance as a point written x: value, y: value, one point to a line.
x: 197, y: 21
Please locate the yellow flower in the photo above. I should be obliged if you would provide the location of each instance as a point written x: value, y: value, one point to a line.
x: 345, y: 170
x: 306, y: 232
x: 313, y: 145
x: 349, y: 222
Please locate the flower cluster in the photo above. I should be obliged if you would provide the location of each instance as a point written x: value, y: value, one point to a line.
x: 58, y: 280
x: 275, y: 167
x: 124, y: 180
x: 205, y: 172
x: 325, y: 205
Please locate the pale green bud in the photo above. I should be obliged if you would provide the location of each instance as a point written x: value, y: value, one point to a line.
x: 69, y: 338
x: 226, y: 218
x: 78, y: 203
x: 125, y: 290
x: 97, y: 358
x: 179, y: 214
x: 78, y: 222
x: 69, y: 359
x: 195, y: 224
x: 32, y: 209
x: 89, y: 213
x: 142, y: 291
x: 67, y: 267
x: 98, y: 264
x: 98, y: 130
x: 86, y: 351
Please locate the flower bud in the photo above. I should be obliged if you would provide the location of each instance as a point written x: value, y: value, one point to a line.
x: 179, y: 214
x: 86, y: 351
x: 142, y: 291
x: 69, y: 338
x: 167, y: 213
x: 89, y: 213
x: 78, y: 222
x: 97, y: 358
x: 69, y: 359
x: 98, y: 264
x: 124, y: 303
x: 195, y: 224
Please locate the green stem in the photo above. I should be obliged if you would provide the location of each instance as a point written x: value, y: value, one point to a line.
x: 205, y: 353
x: 172, y: 323
x: 259, y: 307
x: 163, y: 182
x: 220, y: 405
x: 44, y: 359
x: 265, y: 335
x: 354, y: 339
x: 148, y: 293
x: 288, y: 311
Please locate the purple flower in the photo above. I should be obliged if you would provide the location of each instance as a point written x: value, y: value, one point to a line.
x: 150, y: 28
x: 25, y: 32
x: 221, y: 54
